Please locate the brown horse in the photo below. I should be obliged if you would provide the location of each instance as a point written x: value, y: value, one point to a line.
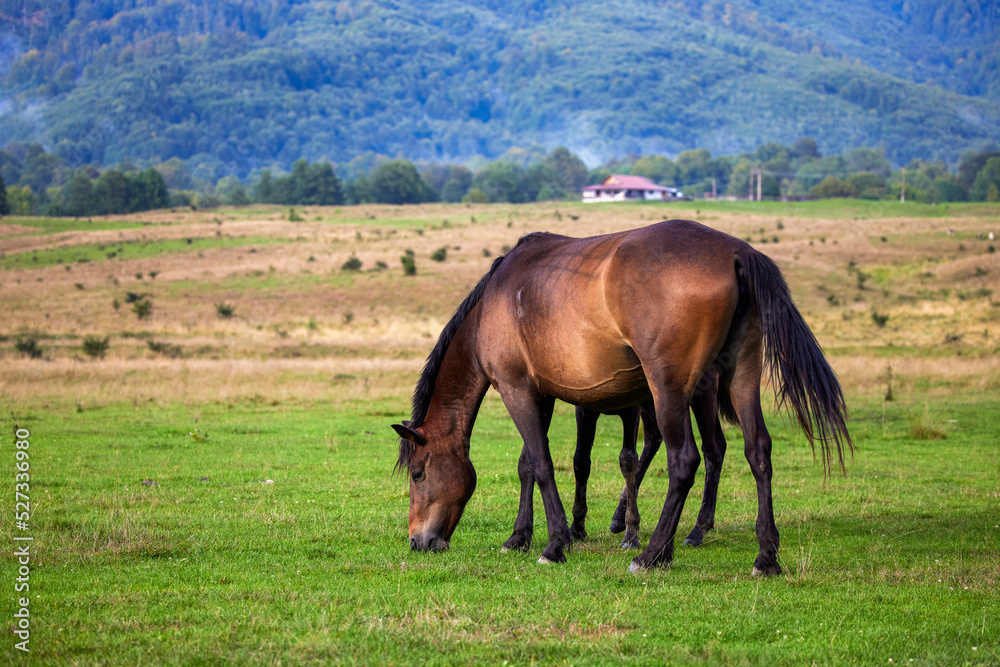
x: 606, y: 323
x: 633, y: 467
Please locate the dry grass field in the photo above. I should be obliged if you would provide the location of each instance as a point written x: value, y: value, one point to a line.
x: 919, y: 294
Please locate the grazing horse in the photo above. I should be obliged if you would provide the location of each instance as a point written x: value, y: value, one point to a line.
x: 633, y: 470
x: 606, y: 323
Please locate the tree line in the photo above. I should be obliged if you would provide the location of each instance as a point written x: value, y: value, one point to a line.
x: 35, y: 182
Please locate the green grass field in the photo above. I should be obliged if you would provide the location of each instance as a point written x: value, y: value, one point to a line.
x: 157, y: 538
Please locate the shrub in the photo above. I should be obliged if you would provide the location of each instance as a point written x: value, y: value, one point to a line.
x: 95, y: 346
x: 879, y: 319
x: 27, y: 344
x: 832, y: 187
x: 352, y: 264
x: 166, y: 349
x: 143, y: 308
x: 225, y: 310
x: 293, y: 216
x: 409, y: 265
x: 440, y: 254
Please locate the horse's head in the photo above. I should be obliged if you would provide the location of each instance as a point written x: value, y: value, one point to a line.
x: 442, y: 480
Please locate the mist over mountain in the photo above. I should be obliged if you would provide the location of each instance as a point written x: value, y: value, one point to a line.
x: 253, y: 85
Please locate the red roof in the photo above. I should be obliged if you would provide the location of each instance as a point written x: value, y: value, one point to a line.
x: 623, y: 182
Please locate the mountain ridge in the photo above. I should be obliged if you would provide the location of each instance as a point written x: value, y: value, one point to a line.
x: 238, y: 87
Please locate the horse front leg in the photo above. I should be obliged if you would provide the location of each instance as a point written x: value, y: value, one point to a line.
x: 586, y: 428
x: 532, y: 416
x: 524, y: 524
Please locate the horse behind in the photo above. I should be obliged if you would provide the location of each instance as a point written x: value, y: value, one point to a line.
x: 606, y: 323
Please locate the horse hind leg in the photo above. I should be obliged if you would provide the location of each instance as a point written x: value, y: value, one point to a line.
x: 713, y: 446
x: 650, y: 446
x: 745, y: 393
x: 586, y: 428
x: 629, y: 463
x: 682, y: 462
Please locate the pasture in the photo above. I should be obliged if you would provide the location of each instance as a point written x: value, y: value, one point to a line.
x: 158, y: 537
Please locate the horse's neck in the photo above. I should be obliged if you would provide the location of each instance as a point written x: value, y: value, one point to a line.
x: 459, y: 390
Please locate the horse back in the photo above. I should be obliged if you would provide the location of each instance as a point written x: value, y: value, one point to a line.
x: 575, y: 318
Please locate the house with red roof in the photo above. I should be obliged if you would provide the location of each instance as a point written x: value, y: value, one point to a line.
x: 619, y: 187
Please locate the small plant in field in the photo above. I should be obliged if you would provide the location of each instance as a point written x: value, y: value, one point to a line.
x: 832, y: 299
x: 165, y: 349
x: 487, y: 253
x: 879, y: 319
x: 95, y: 347
x: 888, y: 383
x: 381, y: 266
x: 143, y: 308
x: 116, y: 304
x: 27, y: 344
x: 781, y: 225
x: 348, y: 317
x: 79, y: 286
x: 922, y: 427
x: 862, y: 278
x: 225, y: 310
x: 352, y: 264
x: 132, y: 297
x: 409, y: 265
x: 440, y: 254
x: 153, y: 274
x: 293, y: 216
x: 138, y: 276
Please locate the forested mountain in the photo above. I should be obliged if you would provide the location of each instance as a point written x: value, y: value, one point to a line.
x: 234, y: 87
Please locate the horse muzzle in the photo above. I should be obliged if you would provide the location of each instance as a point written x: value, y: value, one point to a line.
x: 428, y: 542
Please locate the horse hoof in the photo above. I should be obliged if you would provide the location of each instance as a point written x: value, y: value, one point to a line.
x: 757, y: 573
x: 635, y: 568
x: 630, y: 544
x: 504, y: 549
x: 542, y: 560
x: 691, y: 542
x: 617, y: 526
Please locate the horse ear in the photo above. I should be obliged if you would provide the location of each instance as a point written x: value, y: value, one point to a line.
x: 407, y: 433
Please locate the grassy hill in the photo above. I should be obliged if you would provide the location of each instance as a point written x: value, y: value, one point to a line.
x: 239, y: 86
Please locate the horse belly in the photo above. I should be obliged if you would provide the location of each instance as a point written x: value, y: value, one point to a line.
x: 600, y: 380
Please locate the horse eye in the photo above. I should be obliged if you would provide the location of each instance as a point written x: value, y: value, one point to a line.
x: 417, y: 475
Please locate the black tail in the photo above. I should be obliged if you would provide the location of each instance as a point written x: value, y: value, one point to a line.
x: 798, y: 370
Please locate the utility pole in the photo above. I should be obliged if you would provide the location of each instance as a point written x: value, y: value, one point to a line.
x: 714, y: 195
x: 753, y: 175
x: 902, y: 190
x: 760, y: 183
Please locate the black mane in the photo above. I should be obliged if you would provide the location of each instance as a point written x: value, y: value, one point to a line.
x: 428, y: 378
